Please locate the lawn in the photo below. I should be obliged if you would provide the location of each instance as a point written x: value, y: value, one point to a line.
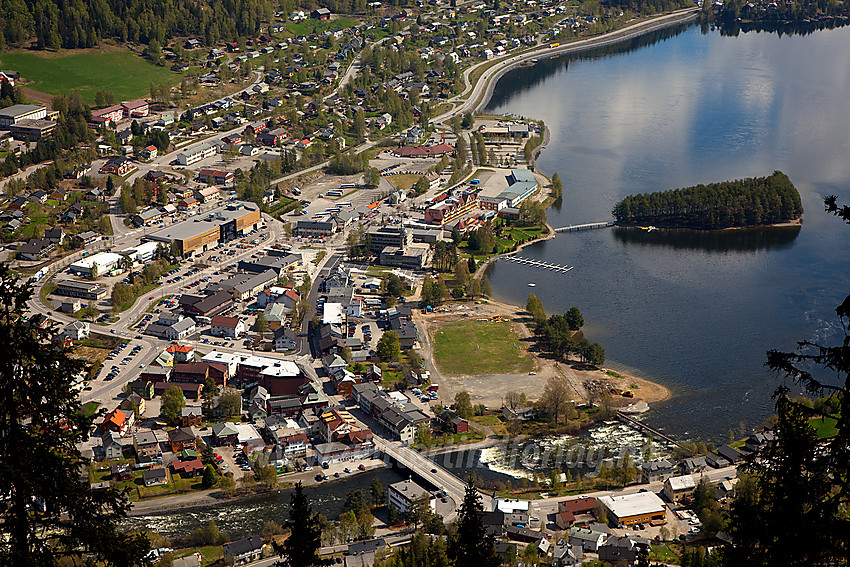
x: 493, y: 422
x: 480, y: 347
x: 825, y: 427
x: 125, y: 74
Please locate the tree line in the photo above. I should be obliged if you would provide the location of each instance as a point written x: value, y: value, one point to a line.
x: 51, y: 24
x: 744, y: 202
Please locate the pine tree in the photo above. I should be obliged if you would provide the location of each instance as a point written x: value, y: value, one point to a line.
x: 301, y: 548
x: 471, y: 545
x: 48, y: 511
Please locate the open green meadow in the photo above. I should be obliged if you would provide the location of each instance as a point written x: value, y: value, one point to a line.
x: 480, y: 347
x: 124, y: 73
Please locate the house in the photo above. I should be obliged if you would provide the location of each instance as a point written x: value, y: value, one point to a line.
x: 618, y: 551
x: 587, y: 539
x: 148, y: 152
x: 228, y: 327
x: 55, y: 235
x: 191, y: 416
x: 656, y: 471
x: 154, y: 477
x: 225, y: 433
x: 117, y: 166
x: 693, y: 465
x: 134, y: 403
x: 730, y: 454
x: 116, y: 421
x: 181, y: 438
x: 320, y: 14
x: 284, y: 339
x: 146, y: 444
x: 333, y: 363
x: 77, y: 330
x: 182, y: 353
x: 754, y: 442
x: 243, y: 551
x: 121, y: 472
x: 112, y: 447
x: 454, y: 423
x: 189, y: 468
x: 35, y: 249
x: 678, y: 488
x: 569, y: 509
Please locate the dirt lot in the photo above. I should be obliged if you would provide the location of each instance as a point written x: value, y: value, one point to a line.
x: 490, y: 389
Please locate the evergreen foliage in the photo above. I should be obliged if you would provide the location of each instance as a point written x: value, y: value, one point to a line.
x: 301, y: 548
x: 49, y: 512
x: 745, y: 202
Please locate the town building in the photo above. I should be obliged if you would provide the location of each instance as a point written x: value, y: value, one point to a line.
x: 203, y: 232
x: 402, y: 494
x: 16, y: 113
x: 631, y: 509
x: 678, y: 488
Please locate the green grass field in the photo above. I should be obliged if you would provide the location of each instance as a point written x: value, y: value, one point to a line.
x: 825, y: 427
x: 125, y: 74
x: 480, y: 347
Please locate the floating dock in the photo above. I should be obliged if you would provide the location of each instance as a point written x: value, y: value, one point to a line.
x: 586, y: 226
x: 538, y: 264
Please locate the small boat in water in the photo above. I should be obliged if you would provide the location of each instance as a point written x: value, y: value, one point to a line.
x: 531, y: 284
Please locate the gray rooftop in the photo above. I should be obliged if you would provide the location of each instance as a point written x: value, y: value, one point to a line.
x: 203, y: 223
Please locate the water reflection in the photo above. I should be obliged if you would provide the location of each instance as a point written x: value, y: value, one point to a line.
x: 718, y: 241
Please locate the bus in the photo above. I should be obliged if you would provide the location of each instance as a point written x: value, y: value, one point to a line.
x: 335, y: 193
x: 348, y: 186
x: 346, y: 204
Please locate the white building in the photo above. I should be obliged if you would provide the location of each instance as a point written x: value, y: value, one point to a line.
x: 141, y: 253
x: 101, y: 263
x: 197, y: 153
x: 401, y: 495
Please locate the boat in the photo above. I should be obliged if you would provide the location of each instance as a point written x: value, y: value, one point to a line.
x: 531, y: 284
x: 534, y: 60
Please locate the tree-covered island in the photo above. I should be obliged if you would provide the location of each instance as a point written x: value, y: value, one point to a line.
x: 755, y: 201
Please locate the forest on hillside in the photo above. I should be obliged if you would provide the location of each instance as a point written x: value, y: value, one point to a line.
x: 744, y: 202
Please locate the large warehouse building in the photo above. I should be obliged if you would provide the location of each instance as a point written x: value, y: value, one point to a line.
x: 632, y: 509
x: 203, y: 232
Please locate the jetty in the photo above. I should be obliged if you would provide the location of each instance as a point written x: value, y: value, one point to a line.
x: 655, y: 433
x: 586, y: 226
x: 538, y: 264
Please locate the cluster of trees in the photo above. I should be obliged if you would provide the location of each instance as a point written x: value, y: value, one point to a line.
x: 483, y: 240
x: 252, y: 186
x: 734, y: 10
x: 744, y: 202
x: 435, y: 291
x: 649, y: 6
x: 532, y: 213
x: 53, y: 25
x: 348, y: 163
x: 556, y: 334
x: 557, y: 186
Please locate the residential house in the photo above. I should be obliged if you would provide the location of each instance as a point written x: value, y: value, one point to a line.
x: 121, y: 472
x: 619, y: 551
x: 243, y: 551
x: 146, y: 445
x: 189, y: 468
x: 284, y: 339
x: 569, y: 509
x: 402, y: 494
x: 228, y: 327
x: 693, y: 465
x: 154, y: 477
x: 191, y: 416
x: 112, y: 447
x: 678, y: 488
x: 729, y: 453
x: 182, y: 353
x: 225, y: 433
x: 181, y: 438
x: 77, y: 330
x: 134, y: 403
x: 587, y: 539
x: 116, y: 421
x: 656, y: 470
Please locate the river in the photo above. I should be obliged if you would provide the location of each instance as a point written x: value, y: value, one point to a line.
x: 694, y: 311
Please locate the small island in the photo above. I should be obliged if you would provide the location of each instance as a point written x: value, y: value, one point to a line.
x: 755, y: 201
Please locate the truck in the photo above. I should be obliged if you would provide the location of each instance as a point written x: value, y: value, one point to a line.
x: 433, y: 387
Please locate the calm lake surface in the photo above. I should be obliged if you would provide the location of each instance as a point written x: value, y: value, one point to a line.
x: 694, y: 311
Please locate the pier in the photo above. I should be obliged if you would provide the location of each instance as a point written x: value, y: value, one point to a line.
x: 538, y: 264
x: 586, y: 226
x: 655, y: 433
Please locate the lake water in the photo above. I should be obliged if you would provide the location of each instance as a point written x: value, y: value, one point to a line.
x: 694, y: 311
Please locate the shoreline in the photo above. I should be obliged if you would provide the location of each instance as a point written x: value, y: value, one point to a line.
x: 793, y: 223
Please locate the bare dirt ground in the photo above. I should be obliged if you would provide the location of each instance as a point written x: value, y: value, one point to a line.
x: 490, y: 389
